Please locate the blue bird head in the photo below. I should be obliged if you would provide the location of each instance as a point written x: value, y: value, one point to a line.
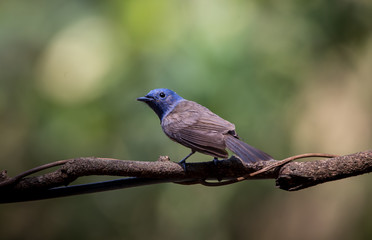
x: 161, y: 100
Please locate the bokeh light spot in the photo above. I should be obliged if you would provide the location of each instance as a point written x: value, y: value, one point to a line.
x: 74, y: 65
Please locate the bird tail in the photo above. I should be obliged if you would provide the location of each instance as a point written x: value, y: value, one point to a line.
x: 246, y: 152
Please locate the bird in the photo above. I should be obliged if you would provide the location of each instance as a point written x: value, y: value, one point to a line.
x: 196, y: 127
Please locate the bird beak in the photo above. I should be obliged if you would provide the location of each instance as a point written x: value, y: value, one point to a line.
x: 145, y: 99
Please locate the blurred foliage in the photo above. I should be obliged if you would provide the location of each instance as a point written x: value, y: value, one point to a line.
x: 293, y: 76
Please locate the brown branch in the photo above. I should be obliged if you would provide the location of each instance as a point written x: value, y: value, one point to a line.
x: 291, y: 176
x: 300, y: 175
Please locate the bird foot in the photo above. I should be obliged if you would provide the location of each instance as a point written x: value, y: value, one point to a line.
x: 183, y: 164
x: 183, y: 161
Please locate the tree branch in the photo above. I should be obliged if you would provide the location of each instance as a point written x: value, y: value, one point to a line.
x: 291, y: 176
x: 300, y: 175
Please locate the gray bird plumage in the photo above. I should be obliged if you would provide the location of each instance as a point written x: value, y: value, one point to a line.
x: 197, y: 128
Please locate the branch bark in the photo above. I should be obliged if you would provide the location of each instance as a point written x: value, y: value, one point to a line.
x: 300, y: 175
x: 291, y: 176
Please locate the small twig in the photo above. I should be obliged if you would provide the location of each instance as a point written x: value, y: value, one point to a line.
x: 18, y: 177
x: 290, y: 159
x: 265, y: 169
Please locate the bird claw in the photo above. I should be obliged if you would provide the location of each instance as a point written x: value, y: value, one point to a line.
x: 183, y: 161
x: 183, y: 164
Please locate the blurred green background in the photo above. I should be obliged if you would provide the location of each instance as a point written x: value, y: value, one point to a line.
x: 293, y: 76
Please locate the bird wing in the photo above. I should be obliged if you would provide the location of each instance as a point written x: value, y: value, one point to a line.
x: 196, y: 127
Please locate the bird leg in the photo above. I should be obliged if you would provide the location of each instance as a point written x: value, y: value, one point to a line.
x: 183, y: 161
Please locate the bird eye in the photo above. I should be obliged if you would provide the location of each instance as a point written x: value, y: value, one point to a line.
x: 162, y: 95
